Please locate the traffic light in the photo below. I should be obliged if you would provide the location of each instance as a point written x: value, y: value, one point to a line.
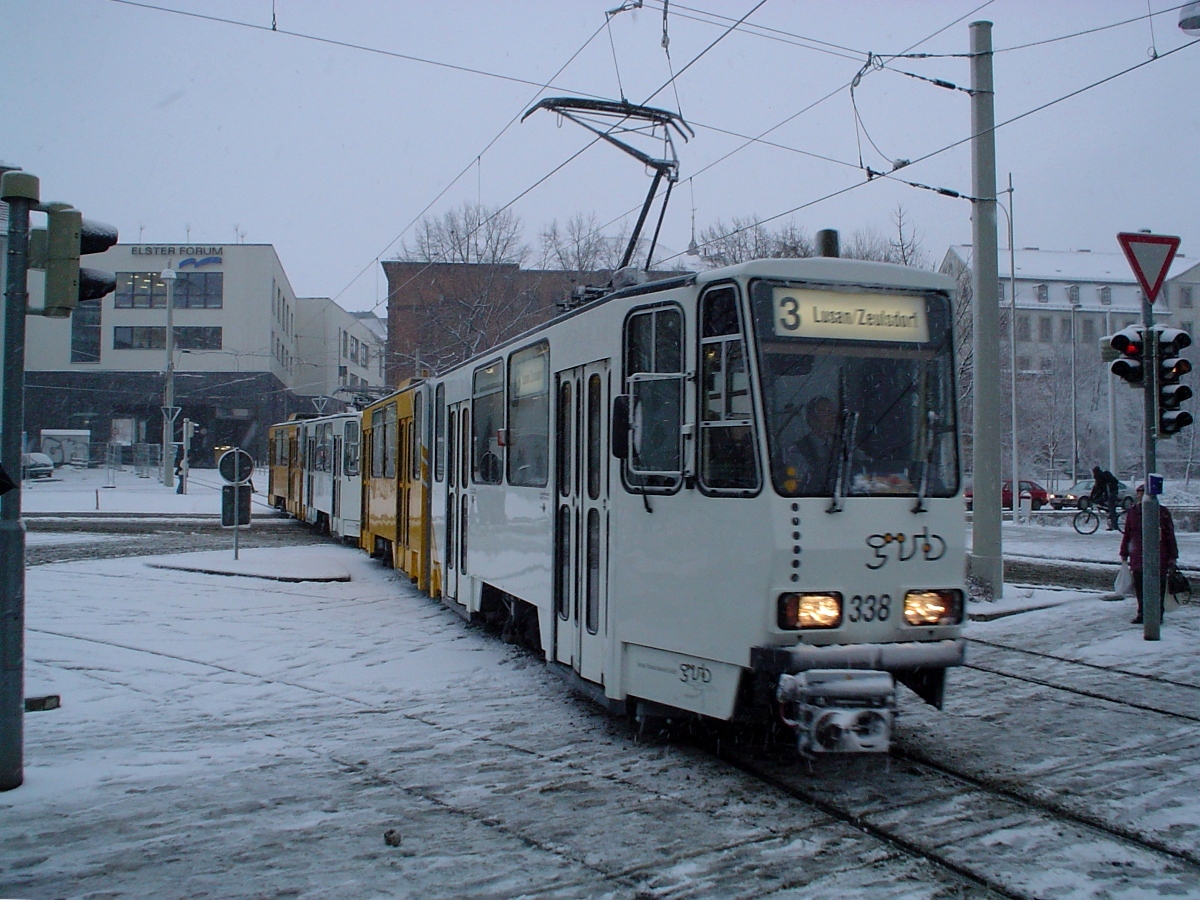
x: 1130, y: 346
x: 57, y: 248
x: 1172, y: 394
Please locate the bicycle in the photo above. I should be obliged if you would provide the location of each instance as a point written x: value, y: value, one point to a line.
x: 1087, y: 521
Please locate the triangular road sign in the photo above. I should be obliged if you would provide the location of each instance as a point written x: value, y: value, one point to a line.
x: 1150, y: 257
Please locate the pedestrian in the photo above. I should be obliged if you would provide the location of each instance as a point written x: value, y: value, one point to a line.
x: 179, y: 471
x: 1105, y: 489
x: 1131, y: 547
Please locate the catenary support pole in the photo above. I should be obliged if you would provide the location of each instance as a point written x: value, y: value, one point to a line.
x: 20, y: 192
x: 169, y: 409
x: 987, y: 565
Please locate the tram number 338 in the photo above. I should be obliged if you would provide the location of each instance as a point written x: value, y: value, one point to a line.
x: 870, y: 608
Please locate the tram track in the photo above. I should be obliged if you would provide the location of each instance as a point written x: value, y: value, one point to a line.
x: 1119, y: 684
x: 984, y: 832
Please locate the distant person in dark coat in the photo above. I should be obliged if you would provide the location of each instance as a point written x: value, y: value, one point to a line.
x: 1105, y: 489
x: 1131, y: 547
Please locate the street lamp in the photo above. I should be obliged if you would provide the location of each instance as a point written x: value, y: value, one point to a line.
x: 169, y: 409
x: 1189, y: 19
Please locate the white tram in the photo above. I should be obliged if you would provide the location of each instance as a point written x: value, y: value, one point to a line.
x: 332, y: 482
x: 724, y: 493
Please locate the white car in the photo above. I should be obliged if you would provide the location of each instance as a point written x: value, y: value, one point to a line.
x: 36, y: 465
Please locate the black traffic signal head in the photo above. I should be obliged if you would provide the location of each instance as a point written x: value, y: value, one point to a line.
x: 1171, y: 368
x: 1130, y: 346
x: 57, y: 250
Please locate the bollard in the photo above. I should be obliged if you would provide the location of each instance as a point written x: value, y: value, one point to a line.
x: 97, y: 499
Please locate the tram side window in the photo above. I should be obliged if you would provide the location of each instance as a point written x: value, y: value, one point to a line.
x: 324, y: 447
x: 529, y: 416
x: 418, y: 433
x: 378, y: 443
x: 350, y: 450
x: 383, y: 442
x: 654, y: 379
x: 439, y: 433
x: 488, y: 413
x: 728, y: 456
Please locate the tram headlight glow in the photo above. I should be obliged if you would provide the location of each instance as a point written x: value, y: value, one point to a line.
x: 934, y: 607
x: 810, y: 610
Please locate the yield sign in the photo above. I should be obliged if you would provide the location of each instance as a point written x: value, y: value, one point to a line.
x: 1150, y: 257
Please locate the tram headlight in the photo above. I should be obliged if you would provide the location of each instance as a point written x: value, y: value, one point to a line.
x: 810, y: 610
x: 933, y: 607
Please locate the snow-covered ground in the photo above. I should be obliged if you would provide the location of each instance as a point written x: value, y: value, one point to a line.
x: 241, y: 736
x: 123, y: 491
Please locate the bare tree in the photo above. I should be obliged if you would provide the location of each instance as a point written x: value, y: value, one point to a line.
x: 580, y: 248
x: 470, y: 234
x: 742, y: 240
x: 445, y: 311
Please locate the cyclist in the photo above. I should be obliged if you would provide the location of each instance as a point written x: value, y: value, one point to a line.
x: 1104, y: 494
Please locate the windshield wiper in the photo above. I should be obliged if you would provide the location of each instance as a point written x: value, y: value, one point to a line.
x: 927, y: 435
x: 843, y: 448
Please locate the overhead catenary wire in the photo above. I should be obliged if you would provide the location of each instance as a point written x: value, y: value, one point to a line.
x: 875, y: 176
x: 591, y: 143
x: 682, y: 12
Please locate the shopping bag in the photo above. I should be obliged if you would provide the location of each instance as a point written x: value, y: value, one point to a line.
x: 1124, y: 583
x: 1177, y: 582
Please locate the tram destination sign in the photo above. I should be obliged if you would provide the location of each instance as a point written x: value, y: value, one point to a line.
x: 807, y: 313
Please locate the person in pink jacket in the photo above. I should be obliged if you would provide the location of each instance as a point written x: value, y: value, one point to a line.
x: 1131, y: 547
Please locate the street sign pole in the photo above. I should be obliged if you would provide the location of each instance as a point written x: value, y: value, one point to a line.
x: 1151, y: 571
x: 20, y: 191
x: 1150, y: 257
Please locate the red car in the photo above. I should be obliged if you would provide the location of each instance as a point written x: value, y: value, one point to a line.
x: 1038, y: 495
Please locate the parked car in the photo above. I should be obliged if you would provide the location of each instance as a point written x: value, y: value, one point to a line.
x: 36, y: 465
x: 1038, y: 495
x: 1079, y: 495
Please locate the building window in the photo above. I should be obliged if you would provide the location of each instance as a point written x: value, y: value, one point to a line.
x: 1045, y: 329
x: 140, y: 290
x: 146, y: 290
x: 1064, y: 330
x: 199, y: 290
x: 1046, y: 366
x: 1023, y: 363
x: 1000, y: 291
x: 85, y: 332
x: 1089, y: 331
x: 1043, y: 293
x: 345, y: 344
x: 1023, y: 332
x: 194, y: 337
x: 1106, y: 296
x: 139, y: 337
x: 1185, y: 296
x: 154, y: 337
x: 1073, y: 294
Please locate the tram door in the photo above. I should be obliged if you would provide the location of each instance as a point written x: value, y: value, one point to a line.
x: 581, y: 518
x: 335, y: 507
x: 309, y: 477
x: 458, y: 470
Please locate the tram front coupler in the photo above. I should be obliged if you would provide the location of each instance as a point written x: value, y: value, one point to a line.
x: 839, y: 710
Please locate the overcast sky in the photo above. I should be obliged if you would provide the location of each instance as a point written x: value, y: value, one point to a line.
x: 329, y: 137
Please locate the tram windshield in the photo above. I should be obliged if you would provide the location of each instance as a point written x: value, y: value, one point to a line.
x: 858, y: 390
